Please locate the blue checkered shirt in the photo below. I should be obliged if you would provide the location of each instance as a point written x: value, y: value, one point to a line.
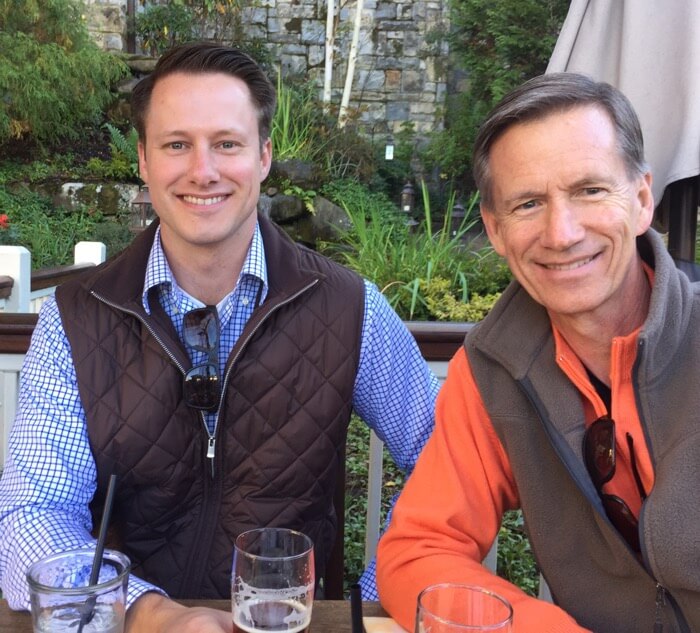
x: 50, y: 474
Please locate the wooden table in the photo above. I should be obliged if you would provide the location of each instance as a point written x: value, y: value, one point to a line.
x: 329, y: 616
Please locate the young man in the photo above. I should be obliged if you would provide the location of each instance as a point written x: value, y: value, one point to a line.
x: 574, y: 399
x: 212, y: 366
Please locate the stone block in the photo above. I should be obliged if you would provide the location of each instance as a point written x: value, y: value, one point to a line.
x: 392, y: 80
x: 385, y: 11
x: 317, y: 55
x: 411, y: 81
x: 370, y: 80
x: 397, y: 111
x: 313, y: 32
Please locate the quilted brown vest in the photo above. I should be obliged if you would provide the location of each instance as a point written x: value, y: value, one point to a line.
x: 288, y: 396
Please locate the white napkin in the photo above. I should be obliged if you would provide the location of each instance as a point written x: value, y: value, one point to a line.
x: 382, y: 625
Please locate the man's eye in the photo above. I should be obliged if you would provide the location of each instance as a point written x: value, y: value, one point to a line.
x: 592, y: 191
x: 176, y: 145
x: 228, y: 145
x: 525, y: 206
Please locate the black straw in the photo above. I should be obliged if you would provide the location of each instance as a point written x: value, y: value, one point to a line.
x: 88, y: 610
x: 356, y: 609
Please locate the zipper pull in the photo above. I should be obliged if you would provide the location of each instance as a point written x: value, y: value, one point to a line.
x: 211, y: 448
x: 660, y: 604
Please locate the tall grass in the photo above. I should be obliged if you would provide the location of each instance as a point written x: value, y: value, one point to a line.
x: 293, y: 123
x: 402, y: 261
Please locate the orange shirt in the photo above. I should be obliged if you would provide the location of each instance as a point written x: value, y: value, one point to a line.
x: 450, y: 510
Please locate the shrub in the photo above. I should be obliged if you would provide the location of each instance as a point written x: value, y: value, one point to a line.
x: 48, y: 233
x: 381, y: 247
x: 500, y: 44
x: 55, y: 81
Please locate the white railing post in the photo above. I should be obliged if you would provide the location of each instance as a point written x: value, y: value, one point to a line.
x: 374, y: 496
x: 16, y: 262
x: 10, y: 365
x: 89, y: 253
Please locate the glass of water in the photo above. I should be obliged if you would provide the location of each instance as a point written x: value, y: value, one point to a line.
x: 61, y: 596
x: 455, y: 608
x: 272, y: 582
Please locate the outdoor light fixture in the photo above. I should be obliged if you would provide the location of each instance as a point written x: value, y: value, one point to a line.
x: 458, y: 213
x: 408, y: 196
x: 389, y: 149
x: 141, y: 214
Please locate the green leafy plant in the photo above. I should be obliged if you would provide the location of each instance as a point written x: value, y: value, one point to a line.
x: 293, y: 123
x: 123, y: 163
x: 305, y: 195
x: 48, y: 233
x: 500, y: 44
x: 162, y: 25
x: 55, y: 81
x: 381, y: 247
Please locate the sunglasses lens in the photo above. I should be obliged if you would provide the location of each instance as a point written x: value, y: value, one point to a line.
x: 202, y: 387
x: 622, y: 518
x: 201, y: 330
x: 599, y: 450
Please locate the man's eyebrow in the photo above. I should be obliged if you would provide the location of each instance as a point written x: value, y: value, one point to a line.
x: 522, y: 195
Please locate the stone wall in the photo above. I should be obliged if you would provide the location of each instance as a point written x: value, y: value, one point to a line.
x: 401, y: 70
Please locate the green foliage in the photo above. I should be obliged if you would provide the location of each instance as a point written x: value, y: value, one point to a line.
x: 515, y: 560
x: 305, y: 195
x: 162, y: 25
x: 55, y: 81
x: 402, y: 262
x: 444, y: 306
x: 500, y: 44
x: 293, y: 124
x: 48, y: 233
x: 123, y: 163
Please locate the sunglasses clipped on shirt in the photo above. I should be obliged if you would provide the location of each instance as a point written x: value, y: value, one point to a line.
x: 201, y: 331
x: 599, y: 451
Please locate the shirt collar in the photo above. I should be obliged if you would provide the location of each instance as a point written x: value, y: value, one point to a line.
x: 158, y: 272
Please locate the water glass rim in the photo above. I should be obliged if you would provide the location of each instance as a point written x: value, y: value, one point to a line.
x: 308, y: 543
x: 111, y: 554
x: 476, y: 588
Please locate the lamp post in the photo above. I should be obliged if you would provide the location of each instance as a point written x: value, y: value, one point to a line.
x: 389, y: 149
x: 458, y: 213
x: 141, y: 211
x: 408, y: 197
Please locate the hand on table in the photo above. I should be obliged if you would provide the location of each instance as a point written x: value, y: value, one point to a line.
x: 154, y: 613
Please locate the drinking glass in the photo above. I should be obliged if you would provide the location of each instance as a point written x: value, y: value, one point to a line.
x: 60, y: 593
x: 272, y: 583
x: 454, y: 608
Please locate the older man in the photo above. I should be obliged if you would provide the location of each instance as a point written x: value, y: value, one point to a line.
x: 576, y: 398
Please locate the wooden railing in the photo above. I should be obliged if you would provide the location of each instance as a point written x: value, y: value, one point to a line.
x: 24, y: 290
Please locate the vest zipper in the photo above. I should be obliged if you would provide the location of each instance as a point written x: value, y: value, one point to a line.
x: 212, y: 441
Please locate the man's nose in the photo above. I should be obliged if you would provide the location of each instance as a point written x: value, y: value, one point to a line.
x: 203, y: 168
x: 563, y: 227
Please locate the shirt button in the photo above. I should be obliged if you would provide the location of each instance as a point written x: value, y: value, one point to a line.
x: 245, y: 301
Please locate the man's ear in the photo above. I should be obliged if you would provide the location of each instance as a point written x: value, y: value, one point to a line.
x: 143, y: 168
x: 645, y: 199
x: 265, y: 159
x: 493, y: 229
